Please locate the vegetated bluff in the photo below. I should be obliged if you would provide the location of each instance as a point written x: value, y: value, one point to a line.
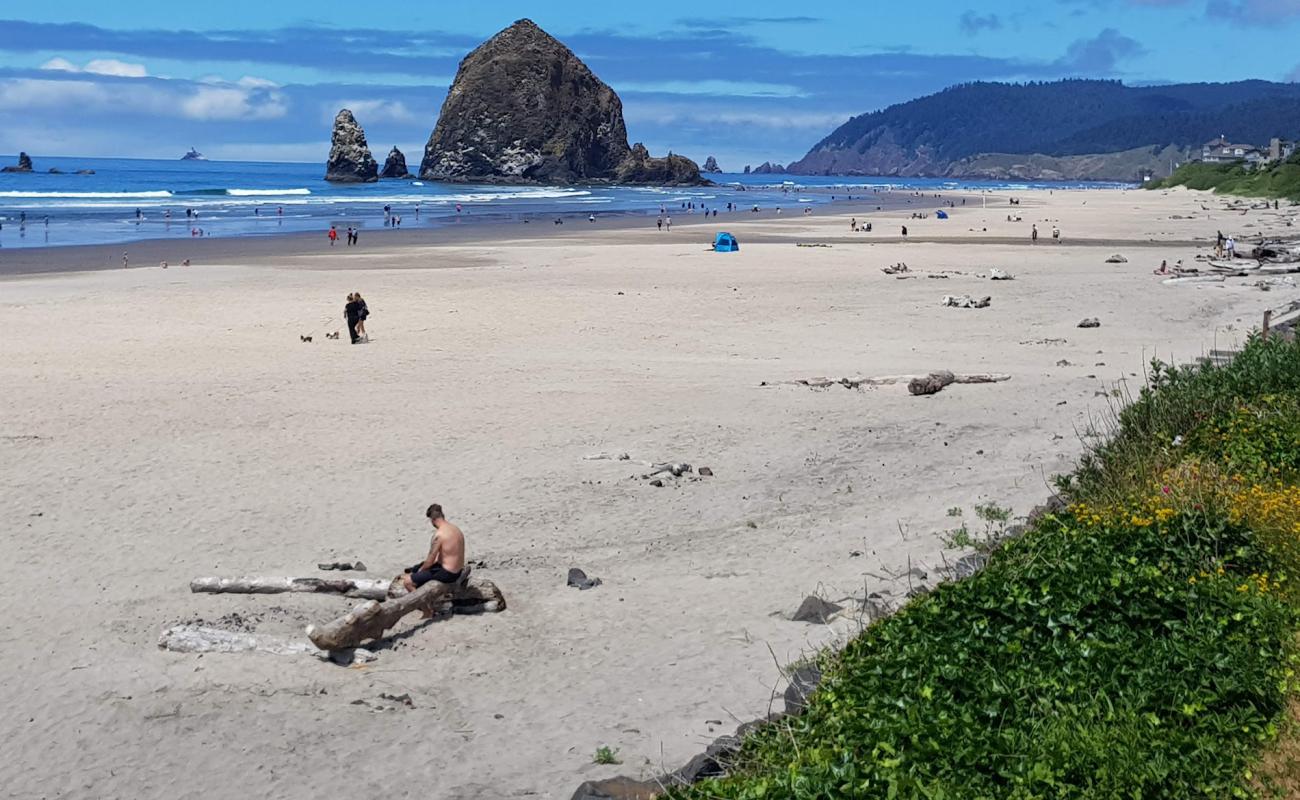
x: 1073, y: 129
x: 524, y: 109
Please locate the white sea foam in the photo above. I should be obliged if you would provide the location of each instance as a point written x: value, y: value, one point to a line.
x: 86, y: 195
x: 266, y: 192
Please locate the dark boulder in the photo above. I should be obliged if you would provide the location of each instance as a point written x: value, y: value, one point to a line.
x: 350, y: 160
x: 395, y: 165
x: 814, y: 609
x: 579, y: 580
x: 24, y: 164
x: 803, y: 682
x: 620, y: 788
x: 524, y: 109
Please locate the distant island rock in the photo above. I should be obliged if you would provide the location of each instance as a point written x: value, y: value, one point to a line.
x: 395, y: 165
x: 1064, y: 130
x: 24, y: 164
x: 747, y: 170
x: 710, y: 165
x: 350, y: 160
x: 193, y: 155
x: 524, y: 109
x: 768, y: 168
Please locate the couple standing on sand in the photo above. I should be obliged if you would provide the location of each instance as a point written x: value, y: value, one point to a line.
x: 356, y: 312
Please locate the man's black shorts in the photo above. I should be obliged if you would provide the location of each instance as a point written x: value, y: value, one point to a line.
x: 434, y: 573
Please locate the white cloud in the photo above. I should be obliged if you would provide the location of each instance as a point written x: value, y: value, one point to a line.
x: 717, y: 88
x: 233, y: 103
x: 650, y: 114
x: 99, y: 66
x: 165, y: 98
x: 372, y: 111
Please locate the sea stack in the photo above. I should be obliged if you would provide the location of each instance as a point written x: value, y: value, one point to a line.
x: 24, y: 164
x: 524, y: 109
x: 768, y: 168
x: 395, y: 165
x: 350, y: 160
x: 711, y: 165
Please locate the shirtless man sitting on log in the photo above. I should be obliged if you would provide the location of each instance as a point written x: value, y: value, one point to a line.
x: 446, y: 559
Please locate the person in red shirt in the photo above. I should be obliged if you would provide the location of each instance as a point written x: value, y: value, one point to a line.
x: 334, y: 235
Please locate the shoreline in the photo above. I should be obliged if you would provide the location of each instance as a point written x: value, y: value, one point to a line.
x: 887, y: 212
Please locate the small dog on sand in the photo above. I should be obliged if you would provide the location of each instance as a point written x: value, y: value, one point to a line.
x: 333, y: 335
x: 305, y: 338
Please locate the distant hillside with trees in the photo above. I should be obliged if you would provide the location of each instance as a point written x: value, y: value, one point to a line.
x: 952, y: 133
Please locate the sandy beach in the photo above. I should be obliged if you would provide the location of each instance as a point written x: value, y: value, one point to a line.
x: 161, y: 425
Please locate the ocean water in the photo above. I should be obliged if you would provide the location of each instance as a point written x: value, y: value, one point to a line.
x: 133, y: 199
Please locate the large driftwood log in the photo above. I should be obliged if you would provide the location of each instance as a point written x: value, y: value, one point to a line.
x: 199, y: 639
x: 889, y: 380
x: 932, y: 383
x: 370, y: 588
x: 371, y: 619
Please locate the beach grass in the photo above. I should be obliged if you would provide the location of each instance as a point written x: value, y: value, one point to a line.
x: 1138, y: 643
x: 1280, y: 180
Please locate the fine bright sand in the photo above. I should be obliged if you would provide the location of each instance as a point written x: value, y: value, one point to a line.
x: 160, y: 425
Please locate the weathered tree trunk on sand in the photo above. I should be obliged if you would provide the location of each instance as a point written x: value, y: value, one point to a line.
x: 889, y: 380
x: 932, y: 383
x: 371, y: 619
x: 370, y: 588
x: 198, y: 639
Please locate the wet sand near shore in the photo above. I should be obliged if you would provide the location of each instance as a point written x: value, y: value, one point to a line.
x: 165, y: 425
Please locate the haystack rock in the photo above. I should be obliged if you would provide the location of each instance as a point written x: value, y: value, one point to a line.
x: 24, y: 164
x: 768, y: 168
x: 350, y: 160
x: 524, y: 109
x: 711, y: 165
x: 395, y: 165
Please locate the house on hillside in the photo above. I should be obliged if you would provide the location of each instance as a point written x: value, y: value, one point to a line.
x: 1221, y: 151
x: 1280, y: 149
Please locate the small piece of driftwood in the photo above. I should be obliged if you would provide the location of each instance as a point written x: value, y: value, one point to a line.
x: 372, y: 619
x: 370, y: 588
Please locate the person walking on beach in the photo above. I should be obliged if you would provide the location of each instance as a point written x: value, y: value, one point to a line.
x: 362, y: 314
x: 352, y: 313
x: 1232, y: 248
x: 1056, y: 234
x: 125, y: 261
x: 1218, y: 245
x: 334, y: 235
x: 446, y: 559
x: 660, y: 223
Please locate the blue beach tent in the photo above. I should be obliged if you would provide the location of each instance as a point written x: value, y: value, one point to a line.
x: 725, y: 243
x: 941, y: 214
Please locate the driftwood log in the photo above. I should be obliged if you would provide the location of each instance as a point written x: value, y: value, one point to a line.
x: 370, y: 588
x: 199, y: 639
x: 371, y: 619
x: 889, y: 380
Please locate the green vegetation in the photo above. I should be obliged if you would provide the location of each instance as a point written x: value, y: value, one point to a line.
x: 1276, y: 181
x: 1137, y: 644
x: 606, y: 755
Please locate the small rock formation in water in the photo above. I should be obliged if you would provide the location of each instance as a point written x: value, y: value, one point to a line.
x: 524, y: 109
x: 746, y: 169
x: 24, y: 164
x: 710, y: 165
x: 395, y: 165
x: 350, y: 160
x: 768, y: 168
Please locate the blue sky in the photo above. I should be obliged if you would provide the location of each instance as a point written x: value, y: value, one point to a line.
x: 747, y: 82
